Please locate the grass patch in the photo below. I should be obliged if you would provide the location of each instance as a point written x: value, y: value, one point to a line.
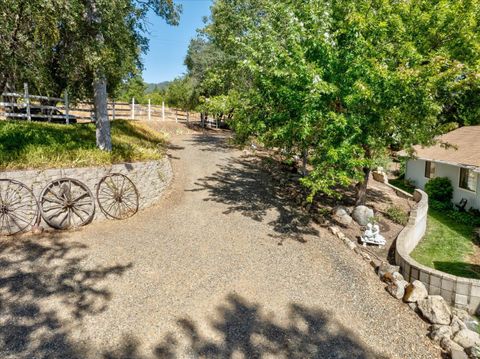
x: 34, y: 145
x: 447, y: 245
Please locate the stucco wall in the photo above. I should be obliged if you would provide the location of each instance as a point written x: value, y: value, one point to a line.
x: 151, y: 179
x: 458, y: 291
x: 415, y: 172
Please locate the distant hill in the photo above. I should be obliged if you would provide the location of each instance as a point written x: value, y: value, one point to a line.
x: 152, y: 86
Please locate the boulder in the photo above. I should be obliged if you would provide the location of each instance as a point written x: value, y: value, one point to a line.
x: 391, y: 277
x: 414, y: 292
x: 362, y: 215
x: 466, y: 318
x: 385, y: 268
x: 457, y: 324
x: 397, y: 288
x: 439, y: 332
x: 467, y: 338
x: 458, y: 354
x: 473, y: 352
x: 449, y: 345
x: 413, y: 306
x: 341, y: 215
x: 435, y: 309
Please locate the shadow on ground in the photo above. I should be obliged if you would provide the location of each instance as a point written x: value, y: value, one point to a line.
x: 245, y: 187
x: 44, y: 290
x: 245, y: 332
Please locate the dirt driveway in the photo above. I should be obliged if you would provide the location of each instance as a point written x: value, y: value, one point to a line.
x: 223, y: 267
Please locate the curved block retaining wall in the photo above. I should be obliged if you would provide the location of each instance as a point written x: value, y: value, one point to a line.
x: 151, y: 179
x: 458, y: 291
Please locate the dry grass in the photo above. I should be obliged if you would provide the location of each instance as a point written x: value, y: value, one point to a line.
x: 33, y: 145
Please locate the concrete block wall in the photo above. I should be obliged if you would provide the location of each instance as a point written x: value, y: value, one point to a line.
x: 151, y: 179
x: 457, y: 291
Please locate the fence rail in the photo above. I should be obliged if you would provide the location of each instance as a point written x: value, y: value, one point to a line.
x: 26, y: 106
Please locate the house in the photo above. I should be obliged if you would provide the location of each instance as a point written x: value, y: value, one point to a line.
x: 460, y: 162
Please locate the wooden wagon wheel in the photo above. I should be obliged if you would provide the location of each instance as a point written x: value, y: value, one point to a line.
x: 18, y: 207
x: 67, y: 203
x: 117, y: 196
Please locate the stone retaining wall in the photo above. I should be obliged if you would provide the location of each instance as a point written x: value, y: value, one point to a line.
x: 151, y: 179
x: 457, y: 291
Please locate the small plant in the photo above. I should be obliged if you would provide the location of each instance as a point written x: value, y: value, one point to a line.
x: 440, y: 189
x: 397, y: 215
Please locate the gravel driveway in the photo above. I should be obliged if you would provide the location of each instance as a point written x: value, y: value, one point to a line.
x: 223, y: 267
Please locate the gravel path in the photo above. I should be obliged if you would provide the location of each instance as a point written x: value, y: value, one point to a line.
x: 223, y: 267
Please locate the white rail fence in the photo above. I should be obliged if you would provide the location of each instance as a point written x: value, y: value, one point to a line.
x: 54, y: 109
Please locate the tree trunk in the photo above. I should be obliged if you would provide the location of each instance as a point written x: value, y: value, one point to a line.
x: 362, y: 187
x: 104, y: 141
x: 304, y: 162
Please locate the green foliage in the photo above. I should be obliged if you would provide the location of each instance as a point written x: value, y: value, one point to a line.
x: 403, y: 185
x: 133, y: 88
x: 44, y: 145
x: 397, y: 215
x: 345, y: 80
x: 440, y: 189
x: 63, y: 44
x: 181, y: 94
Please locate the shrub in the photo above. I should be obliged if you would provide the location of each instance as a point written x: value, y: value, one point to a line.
x: 440, y: 189
x: 440, y: 206
x: 397, y: 215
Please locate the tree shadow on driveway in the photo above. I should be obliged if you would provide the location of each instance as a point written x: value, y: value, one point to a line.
x: 244, y: 331
x: 44, y: 290
x: 244, y: 186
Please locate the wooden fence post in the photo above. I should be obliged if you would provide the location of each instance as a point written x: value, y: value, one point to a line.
x: 163, y: 110
x: 65, y: 99
x: 149, y: 110
x: 27, y: 101
x: 113, y: 110
x: 176, y: 115
x: 133, y: 108
x: 188, y: 117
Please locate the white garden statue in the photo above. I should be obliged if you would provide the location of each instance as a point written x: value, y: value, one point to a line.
x: 372, y: 236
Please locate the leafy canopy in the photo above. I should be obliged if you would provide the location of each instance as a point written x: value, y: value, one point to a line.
x: 345, y: 81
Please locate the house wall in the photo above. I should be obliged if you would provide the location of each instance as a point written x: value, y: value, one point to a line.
x: 415, y: 172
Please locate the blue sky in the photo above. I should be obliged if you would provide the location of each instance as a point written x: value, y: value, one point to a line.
x: 168, y: 44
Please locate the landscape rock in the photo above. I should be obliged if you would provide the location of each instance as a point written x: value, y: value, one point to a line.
x: 461, y: 314
x: 449, y: 345
x: 470, y: 322
x: 391, y: 277
x: 413, y: 306
x: 435, y: 309
x: 397, y: 288
x: 414, y: 292
x: 467, y: 338
x: 385, y: 268
x: 362, y: 215
x: 341, y: 215
x: 439, y: 332
x: 473, y: 352
x: 457, y: 324
x: 458, y: 354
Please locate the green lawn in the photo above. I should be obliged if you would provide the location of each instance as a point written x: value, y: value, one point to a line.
x: 447, y: 245
x: 43, y: 145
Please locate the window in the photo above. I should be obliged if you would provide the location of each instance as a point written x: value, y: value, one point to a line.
x: 429, y: 169
x: 468, y: 179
